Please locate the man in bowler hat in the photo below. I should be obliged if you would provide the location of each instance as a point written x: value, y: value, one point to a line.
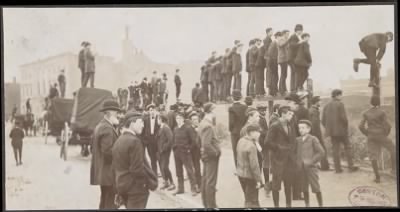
x: 105, y: 135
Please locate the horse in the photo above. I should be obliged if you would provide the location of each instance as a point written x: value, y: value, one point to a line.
x: 29, y: 120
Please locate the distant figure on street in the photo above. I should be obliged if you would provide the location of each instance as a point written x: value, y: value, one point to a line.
x: 62, y: 82
x: 334, y: 119
x: 133, y: 175
x: 165, y: 142
x: 14, y: 112
x: 28, y: 106
x: 89, y: 66
x: 104, y: 137
x: 377, y: 131
x: 178, y: 84
x: 373, y: 46
x: 17, y: 135
x: 53, y: 92
x: 81, y: 62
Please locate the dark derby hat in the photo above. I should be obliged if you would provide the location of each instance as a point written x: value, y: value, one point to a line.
x: 132, y: 115
x: 110, y: 105
x: 236, y: 95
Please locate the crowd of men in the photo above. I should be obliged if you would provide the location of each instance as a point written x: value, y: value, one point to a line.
x: 155, y: 91
x: 263, y: 59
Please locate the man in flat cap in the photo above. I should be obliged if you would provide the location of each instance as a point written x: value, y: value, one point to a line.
x: 294, y: 42
x: 165, y: 141
x: 237, y: 66
x: 335, y: 122
x: 104, y: 136
x: 272, y: 63
x: 314, y: 116
x: 237, y: 119
x: 373, y: 46
x: 210, y: 154
x: 150, y: 132
x: 227, y: 73
x: 251, y: 45
x: 253, y: 53
x: 184, y: 139
x: 133, y: 175
x: 262, y: 110
x: 194, y: 118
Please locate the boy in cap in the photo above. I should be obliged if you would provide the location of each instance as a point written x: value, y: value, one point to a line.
x: 133, y: 175
x: 314, y: 115
x: 310, y: 153
x: 210, y: 154
x: 17, y: 135
x: 248, y: 166
x: 237, y: 119
x: 373, y: 46
x: 377, y: 131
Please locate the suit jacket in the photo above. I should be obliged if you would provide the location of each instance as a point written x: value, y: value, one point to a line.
x: 147, y: 130
x: 105, y: 136
x: 293, y: 47
x: 314, y: 117
x: 376, y: 41
x: 130, y: 165
x: 237, y: 117
x: 303, y: 57
x: 177, y: 80
x: 218, y: 71
x: 247, y: 160
x: 236, y: 63
x: 282, y: 147
x: 211, y: 73
x: 334, y: 118
x: 209, y: 142
x: 165, y: 139
x: 81, y: 60
x: 272, y: 52
x: 253, y: 54
x: 309, y: 152
x: 267, y: 42
x: 283, y: 51
x: 196, y: 94
x: 89, y: 62
x: 376, y: 121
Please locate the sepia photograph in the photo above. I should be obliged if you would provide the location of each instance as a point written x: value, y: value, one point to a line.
x: 199, y: 106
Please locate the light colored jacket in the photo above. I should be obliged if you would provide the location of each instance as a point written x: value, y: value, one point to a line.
x: 247, y: 160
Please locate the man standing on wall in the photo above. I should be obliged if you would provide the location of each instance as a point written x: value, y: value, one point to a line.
x: 178, y: 84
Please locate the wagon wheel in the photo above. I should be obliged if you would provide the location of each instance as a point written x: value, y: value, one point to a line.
x: 65, y: 141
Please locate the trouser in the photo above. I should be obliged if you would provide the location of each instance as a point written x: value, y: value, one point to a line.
x: 371, y: 59
x: 137, y: 201
x: 336, y: 141
x: 18, y: 153
x: 287, y: 177
x: 183, y: 158
x: 204, y: 88
x: 252, y: 83
x: 273, y: 77
x: 89, y: 76
x: 220, y: 92
x: 375, y: 144
x: 301, y: 76
x: 152, y: 150
x: 62, y: 89
x: 209, y: 182
x: 215, y: 90
x: 250, y: 193
x: 293, y: 85
x: 212, y: 91
x: 227, y: 84
x: 237, y: 83
x: 196, y: 165
x: 235, y: 139
x: 164, y: 166
x: 260, y: 80
x: 324, y: 161
x: 107, y: 197
x: 282, y: 80
x: 82, y: 77
x: 178, y: 91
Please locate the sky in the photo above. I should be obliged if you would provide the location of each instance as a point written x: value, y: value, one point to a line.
x: 175, y: 35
